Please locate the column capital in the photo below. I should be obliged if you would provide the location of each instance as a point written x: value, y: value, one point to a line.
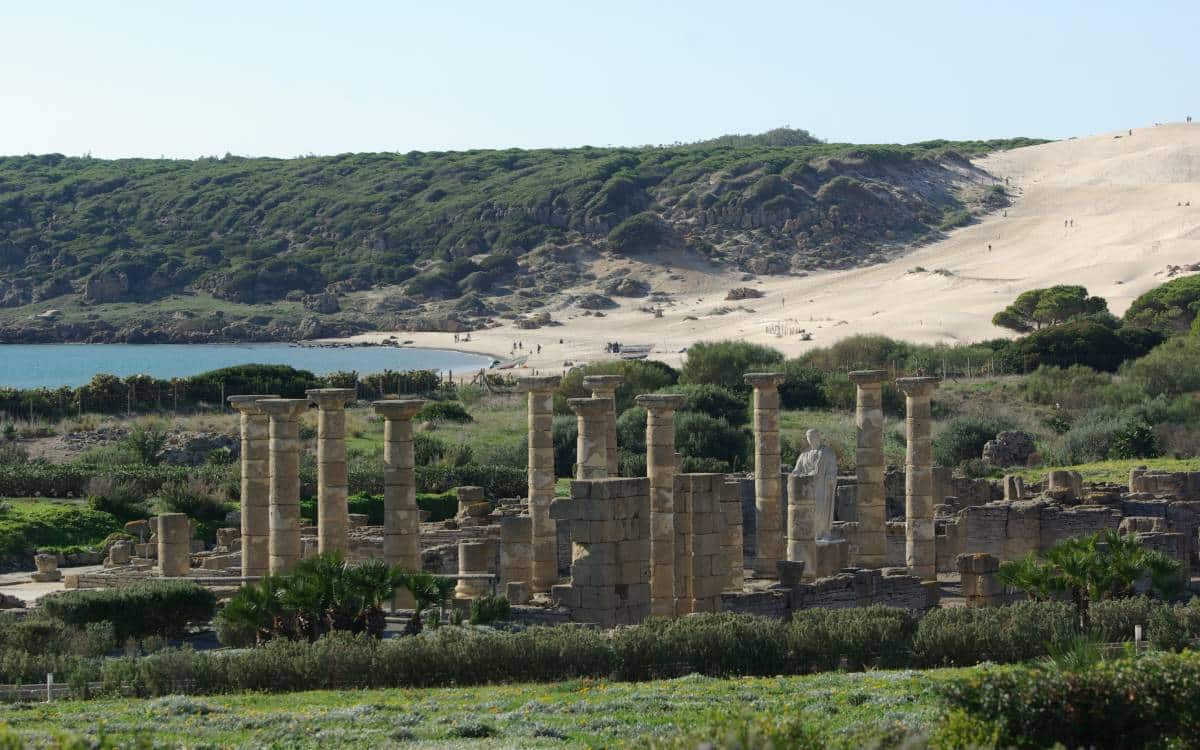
x: 589, y: 407
x: 403, y: 408
x: 287, y: 409
x: 331, y: 398
x: 603, y: 383
x: 538, y: 383
x: 764, y: 379
x: 659, y: 401
x: 917, y: 387
x: 249, y: 404
x: 868, y: 377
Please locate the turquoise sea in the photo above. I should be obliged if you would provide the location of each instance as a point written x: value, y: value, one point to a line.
x: 53, y: 365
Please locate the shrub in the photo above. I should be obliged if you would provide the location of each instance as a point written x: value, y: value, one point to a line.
x: 1074, y: 387
x: 195, y: 499
x: 804, y: 386
x: 138, y: 610
x: 724, y: 363
x: 488, y: 609
x: 1120, y: 703
x: 701, y: 436
x: 564, y: 434
x: 1082, y: 342
x: 443, y: 411
x: 639, y: 233
x: 716, y: 645
x: 1054, y: 305
x: 638, y: 376
x: 146, y: 441
x: 1174, y: 628
x: 715, y: 401
x: 962, y: 438
x: 866, y: 637
x: 117, y: 498
x: 1168, y: 369
x: 970, y: 635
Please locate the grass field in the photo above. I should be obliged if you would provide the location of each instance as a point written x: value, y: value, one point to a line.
x: 1114, y: 471
x: 567, y: 714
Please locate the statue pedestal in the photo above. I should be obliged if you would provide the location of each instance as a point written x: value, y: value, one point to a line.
x: 831, y: 556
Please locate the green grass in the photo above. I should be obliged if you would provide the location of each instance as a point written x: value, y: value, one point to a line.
x: 567, y: 714
x: 35, y: 523
x: 1114, y: 471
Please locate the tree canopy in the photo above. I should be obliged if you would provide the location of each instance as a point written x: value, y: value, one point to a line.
x: 1050, y: 306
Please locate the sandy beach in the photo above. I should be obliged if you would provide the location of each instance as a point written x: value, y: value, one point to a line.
x: 1110, y: 212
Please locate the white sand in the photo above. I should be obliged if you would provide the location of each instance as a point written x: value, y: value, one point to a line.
x: 1122, y: 193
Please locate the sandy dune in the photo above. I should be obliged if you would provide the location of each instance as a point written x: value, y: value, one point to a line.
x: 1125, y: 194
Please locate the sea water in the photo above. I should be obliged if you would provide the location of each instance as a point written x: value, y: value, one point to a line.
x: 54, y: 365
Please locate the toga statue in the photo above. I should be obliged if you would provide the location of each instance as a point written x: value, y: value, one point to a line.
x: 820, y: 462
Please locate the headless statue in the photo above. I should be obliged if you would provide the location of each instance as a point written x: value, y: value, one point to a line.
x: 820, y: 463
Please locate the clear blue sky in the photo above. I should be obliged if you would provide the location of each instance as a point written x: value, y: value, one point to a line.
x: 186, y: 79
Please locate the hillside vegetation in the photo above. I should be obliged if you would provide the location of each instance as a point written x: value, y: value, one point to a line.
x: 298, y: 234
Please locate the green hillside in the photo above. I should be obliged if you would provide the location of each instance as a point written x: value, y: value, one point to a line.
x: 83, y: 231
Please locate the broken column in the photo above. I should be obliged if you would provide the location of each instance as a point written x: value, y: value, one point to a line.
x: 801, y: 535
x: 920, y: 552
x: 516, y: 557
x: 1014, y: 488
x: 333, y: 521
x: 605, y: 386
x: 980, y: 586
x: 704, y: 572
x: 768, y: 479
x: 660, y: 468
x: 541, y: 480
x: 591, y: 445
x: 401, y: 517
x: 609, y: 521
x: 174, y: 545
x: 256, y: 484
x: 474, y: 558
x: 871, y: 503
x: 284, y: 460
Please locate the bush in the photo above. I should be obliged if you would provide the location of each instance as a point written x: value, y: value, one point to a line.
x: 1083, y: 342
x: 488, y: 609
x: 970, y: 635
x: 147, y: 442
x: 443, y: 411
x: 725, y: 363
x: 117, y: 498
x: 638, y: 234
x: 1170, y: 308
x: 962, y: 438
x: 1143, y: 702
x: 715, y: 401
x: 440, y: 506
x: 701, y: 436
x: 716, y: 645
x: 196, y: 500
x: 564, y: 435
x: 1168, y: 369
x: 804, y: 386
x: 638, y: 377
x: 163, y: 608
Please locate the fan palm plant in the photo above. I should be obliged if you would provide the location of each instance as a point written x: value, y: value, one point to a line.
x: 255, y: 612
x: 427, y: 591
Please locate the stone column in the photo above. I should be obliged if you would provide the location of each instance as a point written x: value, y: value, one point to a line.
x: 174, y: 545
x: 605, y: 386
x: 920, y: 552
x: 401, y: 517
x: 516, y: 557
x: 284, y: 515
x: 871, y: 503
x: 768, y: 479
x: 474, y: 557
x: 660, y: 467
x: 333, y: 520
x: 801, y: 537
x: 591, y: 445
x: 541, y: 480
x: 256, y: 484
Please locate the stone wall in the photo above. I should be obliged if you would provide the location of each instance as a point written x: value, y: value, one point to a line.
x: 610, y: 562
x: 893, y: 587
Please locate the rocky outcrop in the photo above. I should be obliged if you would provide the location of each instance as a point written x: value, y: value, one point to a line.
x: 1009, y: 448
x: 106, y: 286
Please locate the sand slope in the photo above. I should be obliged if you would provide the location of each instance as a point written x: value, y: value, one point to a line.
x: 1122, y: 191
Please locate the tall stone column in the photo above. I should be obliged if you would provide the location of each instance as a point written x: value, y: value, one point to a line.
x: 256, y: 484
x: 401, y: 518
x: 920, y: 550
x: 333, y: 520
x: 605, y: 386
x: 541, y: 480
x: 768, y: 478
x: 660, y: 468
x: 871, y: 503
x: 284, y: 460
x: 591, y: 445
